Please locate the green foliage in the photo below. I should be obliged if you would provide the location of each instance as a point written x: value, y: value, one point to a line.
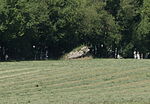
x: 57, y: 26
x: 142, y: 32
x: 128, y: 50
x: 127, y: 17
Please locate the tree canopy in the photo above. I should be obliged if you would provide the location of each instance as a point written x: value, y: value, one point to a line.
x: 40, y: 29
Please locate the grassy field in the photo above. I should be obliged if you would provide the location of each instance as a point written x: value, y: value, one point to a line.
x: 93, y: 81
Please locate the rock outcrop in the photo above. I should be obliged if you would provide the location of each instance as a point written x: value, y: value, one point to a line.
x: 83, y: 52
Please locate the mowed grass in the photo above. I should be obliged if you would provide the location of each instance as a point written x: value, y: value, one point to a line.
x: 93, y: 81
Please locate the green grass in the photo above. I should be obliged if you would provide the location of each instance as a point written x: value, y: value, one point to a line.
x: 94, y: 81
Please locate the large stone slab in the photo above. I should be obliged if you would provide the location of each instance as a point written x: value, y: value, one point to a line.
x: 83, y: 52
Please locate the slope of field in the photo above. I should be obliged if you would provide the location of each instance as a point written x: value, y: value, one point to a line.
x: 94, y: 81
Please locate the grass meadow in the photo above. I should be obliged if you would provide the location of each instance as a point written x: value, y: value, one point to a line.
x: 92, y: 81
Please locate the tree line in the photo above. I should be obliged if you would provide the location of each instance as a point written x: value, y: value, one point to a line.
x: 47, y: 29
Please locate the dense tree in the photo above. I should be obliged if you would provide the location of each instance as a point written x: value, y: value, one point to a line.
x: 142, y: 30
x: 36, y: 29
x: 97, y: 28
x: 127, y: 17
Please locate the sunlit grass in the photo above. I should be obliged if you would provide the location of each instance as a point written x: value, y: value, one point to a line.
x: 93, y: 81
